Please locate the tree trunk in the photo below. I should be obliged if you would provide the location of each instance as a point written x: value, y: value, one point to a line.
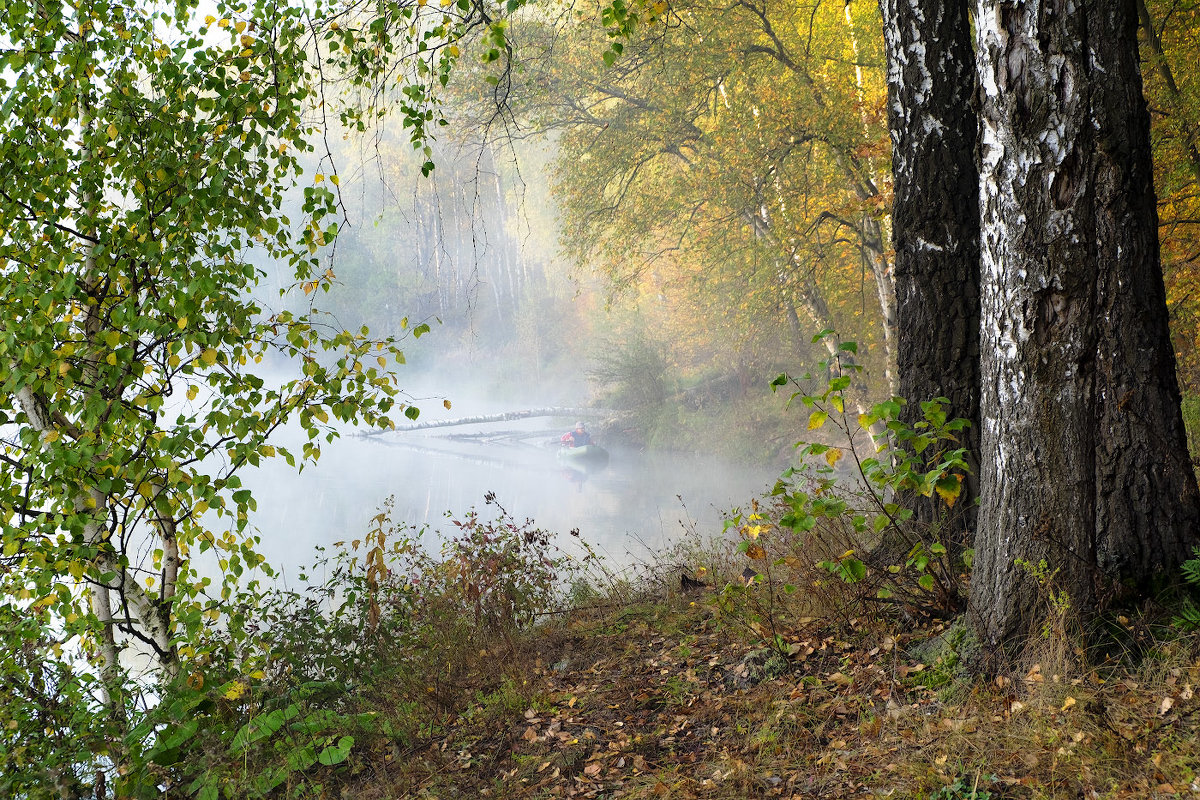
x: 1083, y: 450
x: 935, y: 214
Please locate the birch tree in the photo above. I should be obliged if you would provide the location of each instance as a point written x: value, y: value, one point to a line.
x: 935, y: 209
x: 1084, y: 460
x: 144, y: 158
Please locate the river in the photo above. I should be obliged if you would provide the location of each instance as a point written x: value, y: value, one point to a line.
x: 638, y: 502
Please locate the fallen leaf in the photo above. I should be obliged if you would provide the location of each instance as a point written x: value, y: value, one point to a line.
x: 1166, y: 704
x: 1070, y: 701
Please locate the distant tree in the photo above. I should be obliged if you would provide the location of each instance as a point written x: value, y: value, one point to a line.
x: 726, y: 171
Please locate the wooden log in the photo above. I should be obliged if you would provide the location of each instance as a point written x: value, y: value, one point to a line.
x: 503, y: 417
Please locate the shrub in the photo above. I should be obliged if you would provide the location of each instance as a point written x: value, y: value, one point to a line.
x: 374, y: 652
x: 841, y: 527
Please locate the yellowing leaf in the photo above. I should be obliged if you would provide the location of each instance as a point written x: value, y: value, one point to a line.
x: 1070, y: 701
x: 817, y: 419
x: 240, y: 26
x: 318, y: 178
x: 112, y: 131
x: 235, y: 690
x: 111, y: 359
x: 182, y: 323
x: 210, y: 19
x: 949, y: 489
x: 209, y: 356
x: 50, y: 436
x: 833, y: 455
x: 192, y: 392
x: 334, y: 180
x: 446, y: 403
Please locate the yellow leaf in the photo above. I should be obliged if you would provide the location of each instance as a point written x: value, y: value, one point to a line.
x: 182, y: 323
x: 209, y: 356
x: 240, y: 26
x: 192, y: 392
x: 817, y: 419
x: 112, y: 131
x: 235, y: 690
x: 334, y: 180
x: 453, y: 51
x: 446, y: 403
x: 111, y: 359
x: 1070, y: 701
x: 223, y: 23
x: 210, y: 19
x: 838, y: 403
x: 833, y: 455
x: 318, y: 178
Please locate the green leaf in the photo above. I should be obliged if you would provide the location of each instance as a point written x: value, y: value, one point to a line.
x: 336, y: 753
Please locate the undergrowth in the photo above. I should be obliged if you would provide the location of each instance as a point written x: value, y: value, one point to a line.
x: 814, y: 648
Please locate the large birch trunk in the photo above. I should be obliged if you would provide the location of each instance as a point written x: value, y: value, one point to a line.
x: 1083, y: 450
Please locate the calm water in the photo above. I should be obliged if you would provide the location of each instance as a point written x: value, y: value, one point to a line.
x: 638, y: 501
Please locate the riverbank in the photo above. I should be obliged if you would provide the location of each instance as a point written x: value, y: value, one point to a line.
x: 671, y: 698
x: 500, y: 666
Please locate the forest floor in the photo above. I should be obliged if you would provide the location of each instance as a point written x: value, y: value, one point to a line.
x: 674, y: 699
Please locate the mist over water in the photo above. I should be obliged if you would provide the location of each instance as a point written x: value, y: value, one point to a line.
x: 473, y: 248
x: 640, y: 500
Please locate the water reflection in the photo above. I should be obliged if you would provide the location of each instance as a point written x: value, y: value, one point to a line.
x: 637, y: 500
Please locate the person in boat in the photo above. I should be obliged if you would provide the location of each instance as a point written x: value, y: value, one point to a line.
x: 578, y: 437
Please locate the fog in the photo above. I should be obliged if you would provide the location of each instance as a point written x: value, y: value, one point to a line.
x: 638, y: 502
x: 472, y: 251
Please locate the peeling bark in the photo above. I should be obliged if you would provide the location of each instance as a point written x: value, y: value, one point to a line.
x: 1083, y: 450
